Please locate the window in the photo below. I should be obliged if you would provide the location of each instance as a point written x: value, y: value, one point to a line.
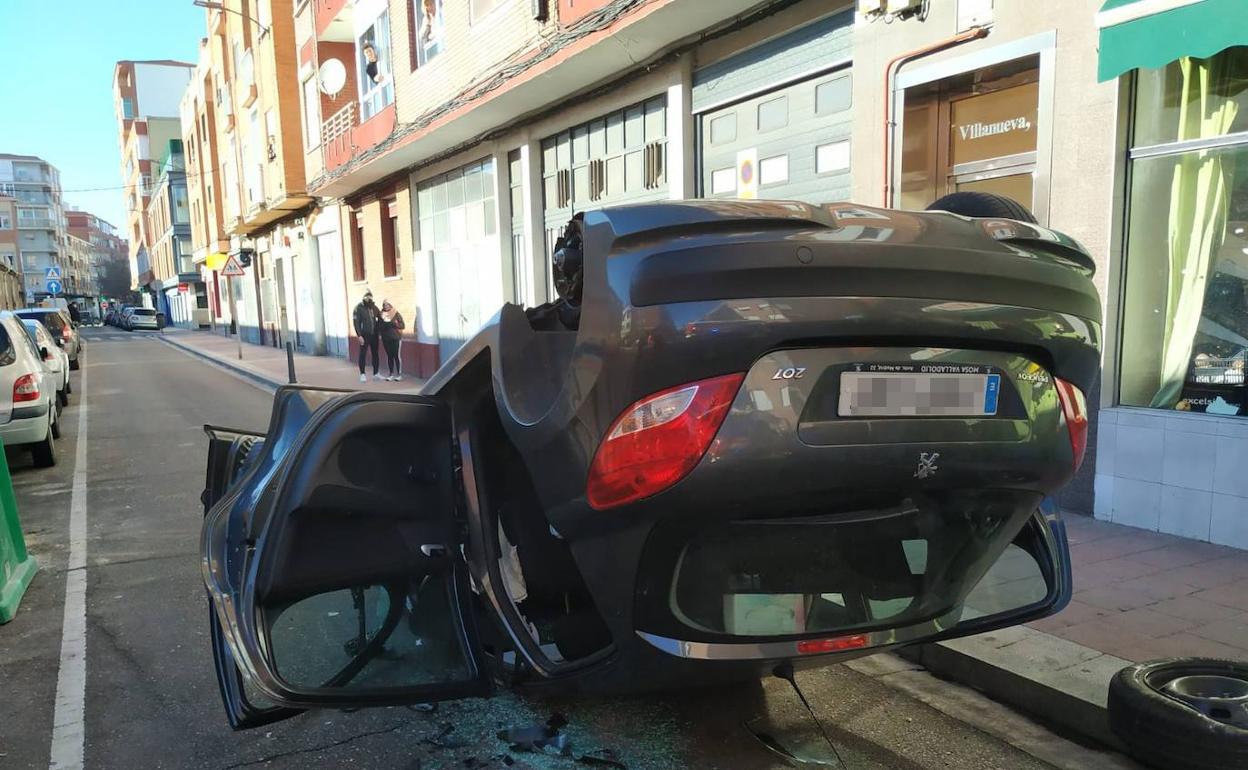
x: 833, y: 157
x: 311, y: 114
x: 180, y: 214
x: 430, y: 31
x: 6, y: 222
x: 357, y: 247
x: 773, y: 114
x: 127, y: 108
x: 1185, y: 310
x: 835, y: 95
x: 724, y: 128
x: 774, y: 170
x: 373, y: 65
x: 482, y: 8
x: 390, y: 238
x: 724, y: 180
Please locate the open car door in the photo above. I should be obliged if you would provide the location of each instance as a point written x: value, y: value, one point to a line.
x: 335, y: 566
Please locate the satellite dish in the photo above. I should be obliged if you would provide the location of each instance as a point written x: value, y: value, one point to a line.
x: 332, y: 77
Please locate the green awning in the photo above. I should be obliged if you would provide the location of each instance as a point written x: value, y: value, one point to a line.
x: 1153, y: 33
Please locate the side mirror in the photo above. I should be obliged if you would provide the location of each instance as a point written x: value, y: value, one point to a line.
x: 44, y: 354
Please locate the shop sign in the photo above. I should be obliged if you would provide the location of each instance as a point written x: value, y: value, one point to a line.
x: 994, y: 124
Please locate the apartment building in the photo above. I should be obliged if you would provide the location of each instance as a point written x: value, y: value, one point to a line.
x: 182, y: 296
x: 210, y: 242
x: 106, y: 246
x: 11, y: 290
x: 145, y: 101
x: 42, y: 240
x: 246, y: 67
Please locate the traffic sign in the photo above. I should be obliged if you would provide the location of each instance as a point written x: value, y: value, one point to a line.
x: 52, y: 273
x: 232, y: 269
x: 54, y: 287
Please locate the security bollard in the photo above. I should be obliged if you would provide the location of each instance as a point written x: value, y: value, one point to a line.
x: 17, y: 567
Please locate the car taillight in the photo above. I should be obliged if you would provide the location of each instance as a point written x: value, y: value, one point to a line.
x: 658, y: 440
x: 835, y: 644
x: 26, y: 388
x: 1075, y: 409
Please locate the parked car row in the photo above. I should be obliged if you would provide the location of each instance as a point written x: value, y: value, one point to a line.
x: 129, y: 317
x: 38, y: 348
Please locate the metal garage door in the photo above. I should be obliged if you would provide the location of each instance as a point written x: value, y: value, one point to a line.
x: 458, y: 225
x: 620, y: 157
x: 775, y: 121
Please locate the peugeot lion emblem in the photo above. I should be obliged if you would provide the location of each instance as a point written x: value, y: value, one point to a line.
x: 927, y: 465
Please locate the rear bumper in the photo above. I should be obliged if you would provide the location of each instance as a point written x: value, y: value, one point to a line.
x: 28, y: 425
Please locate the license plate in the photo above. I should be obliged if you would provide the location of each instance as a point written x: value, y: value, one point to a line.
x: 914, y: 394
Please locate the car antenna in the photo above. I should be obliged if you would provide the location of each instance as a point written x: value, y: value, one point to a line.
x: 785, y: 671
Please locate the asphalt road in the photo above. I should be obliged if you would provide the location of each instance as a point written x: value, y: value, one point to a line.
x: 151, y: 698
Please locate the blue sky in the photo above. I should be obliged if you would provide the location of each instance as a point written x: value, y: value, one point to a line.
x: 56, y: 86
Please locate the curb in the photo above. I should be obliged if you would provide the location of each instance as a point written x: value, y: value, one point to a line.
x: 1059, y: 682
x: 258, y: 379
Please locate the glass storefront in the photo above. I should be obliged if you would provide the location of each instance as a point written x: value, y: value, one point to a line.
x: 1185, y: 304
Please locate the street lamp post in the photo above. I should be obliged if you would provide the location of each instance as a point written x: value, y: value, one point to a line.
x: 216, y: 6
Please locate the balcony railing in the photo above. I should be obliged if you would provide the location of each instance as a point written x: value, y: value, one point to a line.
x: 36, y: 223
x: 338, y: 124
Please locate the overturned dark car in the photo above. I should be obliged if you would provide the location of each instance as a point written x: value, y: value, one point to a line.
x: 748, y: 433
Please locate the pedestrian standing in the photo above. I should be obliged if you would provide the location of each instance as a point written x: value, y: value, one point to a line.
x: 391, y: 328
x: 75, y: 314
x: 365, y: 320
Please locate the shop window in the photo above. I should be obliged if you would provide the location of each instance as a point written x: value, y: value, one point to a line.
x: 358, y: 272
x: 773, y: 114
x: 724, y: 129
x: 430, y: 31
x: 390, y: 238
x: 1185, y: 311
x: 835, y: 95
x: 373, y: 65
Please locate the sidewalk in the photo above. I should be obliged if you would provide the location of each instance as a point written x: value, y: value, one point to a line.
x: 1138, y: 596
x: 267, y: 366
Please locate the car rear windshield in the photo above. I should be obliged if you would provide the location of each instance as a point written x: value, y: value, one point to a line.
x: 143, y: 311
x: 845, y: 572
x: 51, y: 321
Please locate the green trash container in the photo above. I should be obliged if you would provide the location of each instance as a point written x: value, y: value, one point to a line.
x: 17, y: 567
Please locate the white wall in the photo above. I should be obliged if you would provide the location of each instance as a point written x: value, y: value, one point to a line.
x: 158, y: 89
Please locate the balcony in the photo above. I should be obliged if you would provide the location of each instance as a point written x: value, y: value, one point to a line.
x: 342, y: 137
x: 36, y: 223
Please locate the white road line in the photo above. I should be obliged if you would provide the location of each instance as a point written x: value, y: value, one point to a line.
x: 68, y: 722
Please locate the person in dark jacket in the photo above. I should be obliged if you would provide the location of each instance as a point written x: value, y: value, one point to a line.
x: 365, y: 320
x: 390, y: 328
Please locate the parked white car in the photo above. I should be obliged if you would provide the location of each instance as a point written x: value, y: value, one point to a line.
x: 55, y: 359
x: 28, y: 413
x: 139, y: 318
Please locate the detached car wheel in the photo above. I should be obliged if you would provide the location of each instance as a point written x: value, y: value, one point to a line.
x: 44, y: 453
x: 1183, y: 713
x: 981, y: 204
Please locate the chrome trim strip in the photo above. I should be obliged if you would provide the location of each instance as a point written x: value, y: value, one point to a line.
x: 995, y: 164
x: 1174, y: 148
x: 788, y: 648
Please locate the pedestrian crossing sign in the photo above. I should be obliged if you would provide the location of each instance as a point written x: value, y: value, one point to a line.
x: 232, y: 268
x: 52, y: 273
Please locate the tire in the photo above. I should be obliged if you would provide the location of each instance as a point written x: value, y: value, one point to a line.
x: 69, y: 386
x: 55, y: 430
x: 1163, y: 732
x: 44, y: 453
x: 981, y: 204
x: 73, y: 363
x: 62, y: 397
